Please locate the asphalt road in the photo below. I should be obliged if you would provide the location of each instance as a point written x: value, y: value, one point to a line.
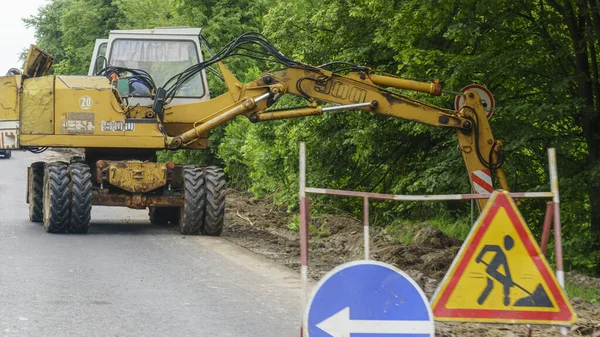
x: 130, y: 278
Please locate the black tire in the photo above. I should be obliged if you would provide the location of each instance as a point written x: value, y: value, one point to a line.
x: 191, y: 214
x: 80, y: 188
x: 214, y: 214
x: 163, y: 215
x: 8, y: 154
x: 56, y: 198
x: 35, y: 197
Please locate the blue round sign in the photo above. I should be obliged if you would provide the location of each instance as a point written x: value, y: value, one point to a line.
x: 370, y: 299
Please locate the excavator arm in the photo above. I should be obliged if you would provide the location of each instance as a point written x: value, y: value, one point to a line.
x: 358, y: 90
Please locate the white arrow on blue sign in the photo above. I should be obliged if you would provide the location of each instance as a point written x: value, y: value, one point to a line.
x: 368, y: 299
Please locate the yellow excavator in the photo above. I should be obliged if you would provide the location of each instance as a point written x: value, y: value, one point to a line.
x: 146, y: 90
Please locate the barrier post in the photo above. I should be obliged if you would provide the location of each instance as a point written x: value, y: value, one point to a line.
x: 560, y: 274
x: 304, y: 218
x: 366, y: 227
x: 544, y: 241
x: 547, y: 226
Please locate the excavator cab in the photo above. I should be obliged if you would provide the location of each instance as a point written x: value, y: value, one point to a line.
x: 161, y: 52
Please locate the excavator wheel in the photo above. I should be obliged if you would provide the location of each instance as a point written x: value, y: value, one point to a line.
x: 191, y: 214
x: 163, y: 215
x: 81, y: 198
x: 56, y: 198
x: 214, y: 216
x: 35, y: 195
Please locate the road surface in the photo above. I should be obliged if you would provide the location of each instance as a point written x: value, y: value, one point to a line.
x: 130, y: 278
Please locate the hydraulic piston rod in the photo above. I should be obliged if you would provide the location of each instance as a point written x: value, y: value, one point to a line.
x: 193, y: 134
x: 434, y: 88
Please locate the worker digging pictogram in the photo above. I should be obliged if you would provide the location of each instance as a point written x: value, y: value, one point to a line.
x: 537, y: 298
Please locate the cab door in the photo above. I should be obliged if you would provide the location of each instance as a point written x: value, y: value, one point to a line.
x: 99, y: 60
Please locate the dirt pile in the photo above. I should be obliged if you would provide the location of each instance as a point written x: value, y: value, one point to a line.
x: 263, y: 228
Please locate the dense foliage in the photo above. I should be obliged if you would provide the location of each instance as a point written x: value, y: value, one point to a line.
x: 538, y: 57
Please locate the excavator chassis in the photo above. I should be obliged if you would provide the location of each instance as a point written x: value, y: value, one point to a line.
x: 61, y: 195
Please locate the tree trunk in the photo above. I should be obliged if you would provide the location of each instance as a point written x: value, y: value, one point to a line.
x: 576, y: 23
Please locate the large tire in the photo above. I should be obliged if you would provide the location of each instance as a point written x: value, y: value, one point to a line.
x: 35, y: 197
x: 163, y: 215
x: 191, y: 214
x: 56, y: 198
x: 214, y: 216
x: 80, y: 189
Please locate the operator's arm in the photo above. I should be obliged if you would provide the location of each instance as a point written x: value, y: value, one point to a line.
x: 486, y: 249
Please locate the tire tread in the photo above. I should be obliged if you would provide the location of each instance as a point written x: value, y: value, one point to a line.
x: 56, y: 194
x: 214, y: 178
x: 36, y: 192
x: 191, y: 218
x: 81, y: 198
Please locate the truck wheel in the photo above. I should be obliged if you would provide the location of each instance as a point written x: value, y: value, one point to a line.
x: 163, y: 215
x: 214, y: 216
x: 35, y: 195
x: 56, y: 198
x: 191, y: 214
x: 81, y: 198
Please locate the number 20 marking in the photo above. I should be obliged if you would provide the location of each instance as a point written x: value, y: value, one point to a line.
x: 85, y: 102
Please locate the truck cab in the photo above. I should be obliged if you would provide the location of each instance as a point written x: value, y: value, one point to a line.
x: 162, y: 52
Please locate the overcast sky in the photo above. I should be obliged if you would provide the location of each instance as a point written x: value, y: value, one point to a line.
x: 14, y: 37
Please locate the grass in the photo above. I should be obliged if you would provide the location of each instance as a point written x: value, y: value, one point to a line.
x: 585, y: 292
x: 403, y: 231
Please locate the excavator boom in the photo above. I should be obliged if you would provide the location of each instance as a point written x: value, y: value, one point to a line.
x: 359, y: 90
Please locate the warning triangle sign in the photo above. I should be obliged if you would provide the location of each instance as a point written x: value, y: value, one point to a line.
x: 500, y: 274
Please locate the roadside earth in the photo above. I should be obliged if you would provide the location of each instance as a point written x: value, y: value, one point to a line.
x: 262, y: 227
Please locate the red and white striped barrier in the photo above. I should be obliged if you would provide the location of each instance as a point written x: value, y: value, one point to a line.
x: 482, y: 181
x: 483, y: 188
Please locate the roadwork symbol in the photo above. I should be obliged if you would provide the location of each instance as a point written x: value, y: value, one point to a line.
x: 500, y: 275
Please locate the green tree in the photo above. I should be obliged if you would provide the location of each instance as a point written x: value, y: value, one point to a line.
x: 68, y: 29
x: 538, y: 57
x: 48, y: 29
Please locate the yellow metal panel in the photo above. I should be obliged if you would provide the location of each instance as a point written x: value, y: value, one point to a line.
x: 93, y: 141
x: 198, y: 111
x: 37, y: 106
x: 8, y: 97
x: 85, y: 82
x: 86, y: 105
x: 137, y: 176
x: 38, y: 62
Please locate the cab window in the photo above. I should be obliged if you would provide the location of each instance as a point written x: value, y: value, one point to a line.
x: 161, y: 59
